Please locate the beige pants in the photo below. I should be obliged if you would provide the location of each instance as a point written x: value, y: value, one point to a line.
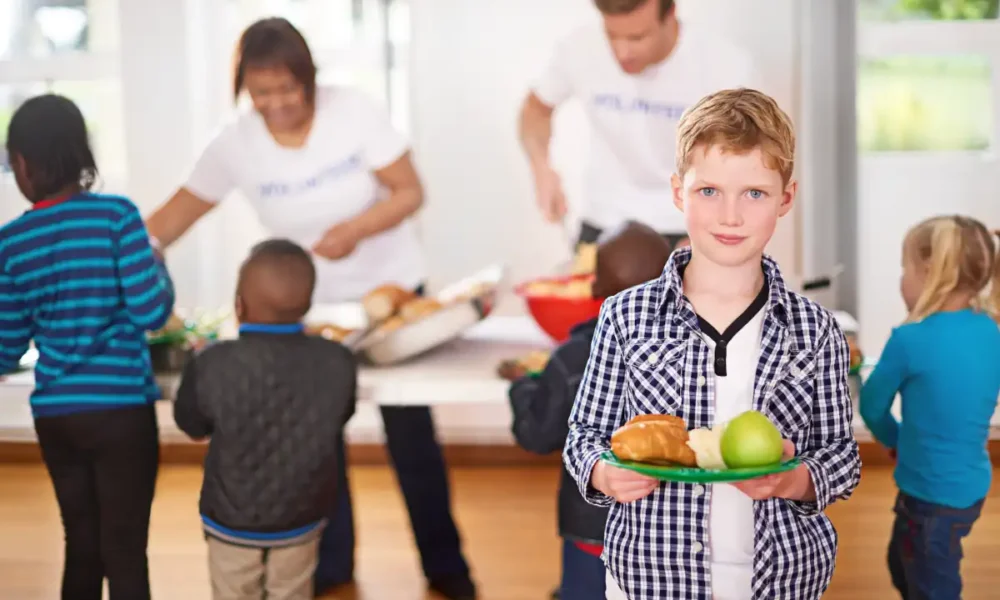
x: 240, y: 573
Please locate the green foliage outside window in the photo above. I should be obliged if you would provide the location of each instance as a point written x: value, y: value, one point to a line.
x: 925, y: 103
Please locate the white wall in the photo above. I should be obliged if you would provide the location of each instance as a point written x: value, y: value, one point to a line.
x: 896, y: 193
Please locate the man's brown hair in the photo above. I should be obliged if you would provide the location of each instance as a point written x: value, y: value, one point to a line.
x: 623, y: 7
x: 739, y: 120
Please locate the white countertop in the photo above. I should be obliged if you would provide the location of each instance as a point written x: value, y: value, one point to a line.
x: 460, y: 373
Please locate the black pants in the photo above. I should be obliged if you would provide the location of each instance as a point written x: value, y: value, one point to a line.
x: 589, y: 234
x: 420, y: 469
x: 103, y: 466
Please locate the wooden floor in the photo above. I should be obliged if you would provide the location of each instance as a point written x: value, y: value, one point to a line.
x: 507, y: 516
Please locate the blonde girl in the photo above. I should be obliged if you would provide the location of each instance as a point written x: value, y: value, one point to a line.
x: 944, y: 363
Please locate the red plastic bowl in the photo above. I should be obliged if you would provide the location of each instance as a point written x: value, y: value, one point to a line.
x: 555, y: 315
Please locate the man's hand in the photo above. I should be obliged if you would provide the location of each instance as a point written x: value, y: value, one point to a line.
x: 338, y: 242
x: 621, y: 484
x: 792, y: 485
x: 549, y: 194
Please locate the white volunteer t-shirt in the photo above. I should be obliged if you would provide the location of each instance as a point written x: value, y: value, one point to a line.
x: 634, y: 118
x: 300, y: 193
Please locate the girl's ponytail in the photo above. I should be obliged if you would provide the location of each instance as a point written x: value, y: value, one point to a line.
x: 992, y: 300
x: 941, y: 249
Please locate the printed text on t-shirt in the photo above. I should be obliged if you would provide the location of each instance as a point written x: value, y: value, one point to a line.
x: 336, y: 170
x: 638, y: 105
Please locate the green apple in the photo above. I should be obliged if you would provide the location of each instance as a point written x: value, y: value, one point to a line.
x: 751, y: 440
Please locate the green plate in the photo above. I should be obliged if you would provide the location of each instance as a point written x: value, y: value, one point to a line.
x: 695, y: 475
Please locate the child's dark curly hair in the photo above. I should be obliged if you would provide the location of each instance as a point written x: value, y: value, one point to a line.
x: 49, y: 136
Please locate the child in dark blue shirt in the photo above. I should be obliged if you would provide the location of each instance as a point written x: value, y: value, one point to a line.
x: 78, y: 276
x: 626, y: 257
x: 944, y: 362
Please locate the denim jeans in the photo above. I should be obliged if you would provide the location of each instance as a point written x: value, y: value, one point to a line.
x: 582, y: 574
x: 925, y: 551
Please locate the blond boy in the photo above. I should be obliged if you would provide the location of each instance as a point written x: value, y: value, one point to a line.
x: 719, y: 333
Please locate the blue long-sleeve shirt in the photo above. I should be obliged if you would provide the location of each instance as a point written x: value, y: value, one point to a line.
x: 946, y: 369
x: 79, y: 277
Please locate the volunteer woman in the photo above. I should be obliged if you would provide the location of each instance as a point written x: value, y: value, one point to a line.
x: 323, y: 166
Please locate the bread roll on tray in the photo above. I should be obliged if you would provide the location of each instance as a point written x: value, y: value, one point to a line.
x: 418, y: 308
x: 654, y: 439
x: 384, y: 301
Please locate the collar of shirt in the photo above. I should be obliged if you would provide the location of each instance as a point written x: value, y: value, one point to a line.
x: 678, y: 310
x: 272, y: 328
x: 46, y: 203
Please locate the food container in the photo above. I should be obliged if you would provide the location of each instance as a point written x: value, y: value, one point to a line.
x: 466, y: 303
x: 172, y: 347
x: 349, y: 315
x: 557, y: 314
x: 170, y: 357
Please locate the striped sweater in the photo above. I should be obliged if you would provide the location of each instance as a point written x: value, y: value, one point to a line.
x: 78, y: 276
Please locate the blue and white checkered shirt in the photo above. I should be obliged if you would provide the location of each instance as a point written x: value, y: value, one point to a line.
x: 648, y: 358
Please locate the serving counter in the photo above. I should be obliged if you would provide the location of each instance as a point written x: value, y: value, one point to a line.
x: 462, y: 372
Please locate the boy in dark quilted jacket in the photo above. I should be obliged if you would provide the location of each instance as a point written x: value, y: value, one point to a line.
x: 626, y: 257
x: 273, y: 403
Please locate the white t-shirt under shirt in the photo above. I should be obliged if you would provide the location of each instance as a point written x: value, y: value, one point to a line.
x: 300, y: 193
x: 634, y: 118
x: 730, y: 520
x: 730, y: 516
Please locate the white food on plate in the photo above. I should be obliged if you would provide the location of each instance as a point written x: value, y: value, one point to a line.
x: 707, y: 447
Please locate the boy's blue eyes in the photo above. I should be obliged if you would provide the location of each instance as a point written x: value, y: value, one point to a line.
x: 710, y: 192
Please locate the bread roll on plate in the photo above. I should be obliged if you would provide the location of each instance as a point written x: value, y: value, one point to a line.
x: 384, y: 301
x: 654, y: 439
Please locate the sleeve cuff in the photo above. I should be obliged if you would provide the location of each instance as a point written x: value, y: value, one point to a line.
x: 589, y: 492
x: 388, y: 155
x: 548, y: 96
x: 821, y: 484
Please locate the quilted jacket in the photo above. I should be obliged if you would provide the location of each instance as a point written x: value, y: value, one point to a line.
x: 274, y: 407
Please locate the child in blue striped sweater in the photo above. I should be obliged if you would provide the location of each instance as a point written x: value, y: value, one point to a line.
x: 78, y: 276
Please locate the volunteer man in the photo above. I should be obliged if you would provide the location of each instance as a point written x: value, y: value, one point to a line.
x: 635, y: 72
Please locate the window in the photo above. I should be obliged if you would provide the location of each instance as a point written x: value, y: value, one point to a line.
x: 360, y: 43
x: 67, y: 47
x: 925, y: 75
x: 100, y: 102
x: 913, y: 103
x: 941, y: 10
x: 38, y: 29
